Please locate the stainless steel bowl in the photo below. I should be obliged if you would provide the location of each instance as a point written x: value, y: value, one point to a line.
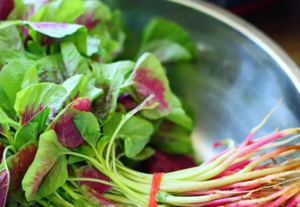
x: 240, y: 74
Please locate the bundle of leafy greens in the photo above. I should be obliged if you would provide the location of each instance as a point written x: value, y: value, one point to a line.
x: 80, y: 126
x: 70, y: 106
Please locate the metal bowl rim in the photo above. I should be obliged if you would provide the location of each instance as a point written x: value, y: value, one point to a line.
x: 253, y: 34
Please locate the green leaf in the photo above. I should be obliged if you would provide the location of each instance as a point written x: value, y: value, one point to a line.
x: 66, y: 11
x: 48, y: 171
x: 35, y: 98
x: 150, y: 78
x: 84, y: 150
x: 73, y: 61
x: 136, y: 133
x: 112, y: 71
x: 8, y: 55
x: 111, y: 34
x: 5, y: 123
x: 20, y: 73
x: 35, y: 47
x: 31, y: 130
x: 77, y: 86
x: 115, y: 25
x: 110, y: 78
x: 144, y: 154
x: 89, y: 90
x: 5, y: 104
x: 10, y: 38
x: 73, y: 87
x: 173, y: 139
x: 51, y: 69
x: 178, y: 115
x: 88, y: 126
x: 27, y: 133
x: 4, y: 119
x: 167, y: 51
x: 167, y: 40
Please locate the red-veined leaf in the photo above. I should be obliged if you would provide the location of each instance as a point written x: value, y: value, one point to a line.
x: 18, y: 165
x: 4, y: 184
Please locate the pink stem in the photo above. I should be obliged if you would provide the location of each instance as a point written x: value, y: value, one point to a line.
x: 294, y: 201
x: 220, y: 202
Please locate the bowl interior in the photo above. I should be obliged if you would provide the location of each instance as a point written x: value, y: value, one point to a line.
x: 234, y: 83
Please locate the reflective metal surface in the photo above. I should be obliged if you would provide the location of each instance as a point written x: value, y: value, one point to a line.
x: 239, y: 76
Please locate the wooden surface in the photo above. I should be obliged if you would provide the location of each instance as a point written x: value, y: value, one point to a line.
x: 281, y: 23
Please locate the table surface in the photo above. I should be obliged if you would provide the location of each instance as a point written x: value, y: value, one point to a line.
x: 281, y: 23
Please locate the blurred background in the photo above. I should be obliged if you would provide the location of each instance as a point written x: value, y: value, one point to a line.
x: 279, y: 19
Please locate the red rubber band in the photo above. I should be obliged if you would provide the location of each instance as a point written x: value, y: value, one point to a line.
x: 154, y: 189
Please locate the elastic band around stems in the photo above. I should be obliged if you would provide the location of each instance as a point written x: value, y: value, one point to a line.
x: 157, y: 177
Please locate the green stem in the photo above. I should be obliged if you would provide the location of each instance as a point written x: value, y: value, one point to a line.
x: 127, y: 190
x: 117, y: 198
x: 69, y: 191
x: 63, y: 201
x: 92, y: 160
x: 92, y: 180
x: 42, y: 202
x: 184, y: 186
x: 11, y: 142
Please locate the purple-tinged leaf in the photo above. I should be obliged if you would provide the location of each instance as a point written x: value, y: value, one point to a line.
x: 35, y: 98
x: 127, y: 101
x: 53, y: 29
x: 95, y: 12
x: 73, y: 86
x: 30, y: 113
x: 110, y: 78
x: 65, y: 128
x: 18, y: 165
x: 23, y: 10
x: 65, y: 11
x: 161, y: 162
x: 31, y: 130
x: 81, y: 104
x: 4, y: 185
x: 6, y: 6
x: 149, y: 78
x: 96, y: 198
x: 70, y: 171
x: 76, y: 86
x: 48, y: 172
x: 91, y: 172
x: 105, y: 105
x: 1, y: 148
